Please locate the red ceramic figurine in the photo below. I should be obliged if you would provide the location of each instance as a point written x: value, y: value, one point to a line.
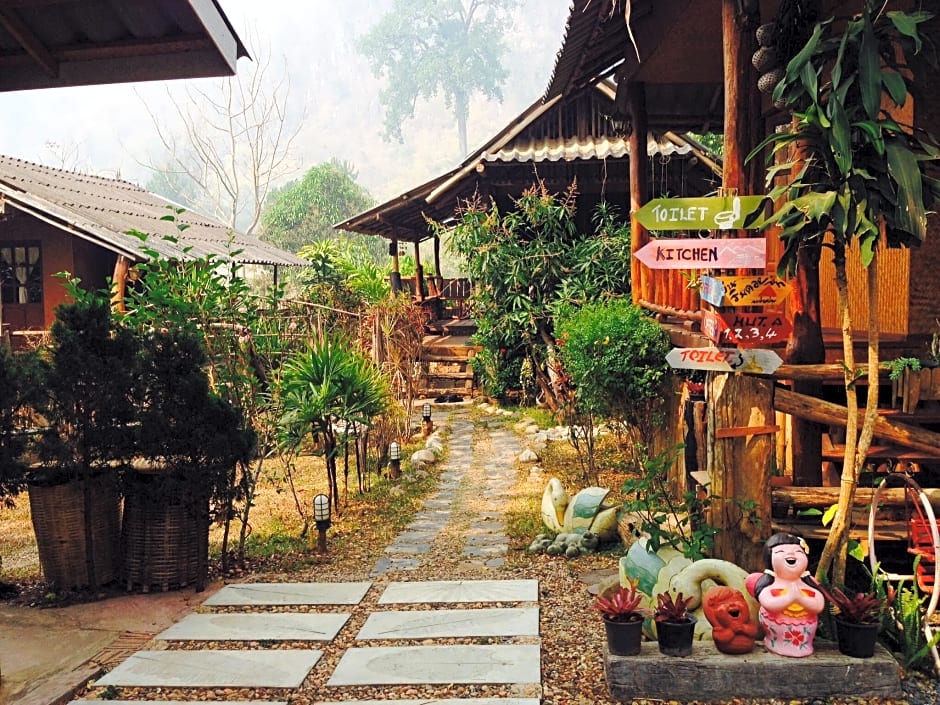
x: 732, y: 629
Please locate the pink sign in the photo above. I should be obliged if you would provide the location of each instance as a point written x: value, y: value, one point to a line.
x: 704, y: 253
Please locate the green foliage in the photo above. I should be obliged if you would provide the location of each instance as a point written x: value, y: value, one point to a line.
x: 667, y: 521
x: 898, y: 365
x: 91, y: 390
x: 526, y: 264
x: 860, y: 164
x: 342, y: 274
x: 304, y: 211
x: 615, y: 355
x: 330, y: 381
x: 21, y: 383
x: 423, y: 48
x: 903, y: 625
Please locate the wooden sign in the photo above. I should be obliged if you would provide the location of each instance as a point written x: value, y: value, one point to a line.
x: 707, y: 213
x: 760, y: 290
x: 703, y: 253
x: 746, y: 329
x: 724, y: 360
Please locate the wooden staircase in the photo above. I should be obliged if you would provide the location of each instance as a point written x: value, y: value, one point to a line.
x: 445, y: 359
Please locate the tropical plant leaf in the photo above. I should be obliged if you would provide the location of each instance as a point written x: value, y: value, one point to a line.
x: 904, y: 169
x: 895, y: 85
x: 869, y: 71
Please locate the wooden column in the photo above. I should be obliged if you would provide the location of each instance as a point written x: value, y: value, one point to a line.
x: 639, y: 188
x: 419, y: 274
x: 741, y: 464
x: 119, y: 283
x: 743, y: 121
x: 396, y: 271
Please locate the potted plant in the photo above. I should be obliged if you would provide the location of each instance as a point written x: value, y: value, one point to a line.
x: 188, y: 443
x: 858, y: 619
x: 88, y: 408
x: 623, y: 620
x: 675, y: 626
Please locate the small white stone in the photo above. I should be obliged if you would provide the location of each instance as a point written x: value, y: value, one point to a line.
x: 423, y: 457
x: 528, y: 456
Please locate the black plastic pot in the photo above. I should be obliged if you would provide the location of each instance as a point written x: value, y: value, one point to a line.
x: 624, y: 638
x: 857, y: 640
x: 675, y: 638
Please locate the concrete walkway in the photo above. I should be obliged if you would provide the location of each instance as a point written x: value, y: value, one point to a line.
x: 427, y: 655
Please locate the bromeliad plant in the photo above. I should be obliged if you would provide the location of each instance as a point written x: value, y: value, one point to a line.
x: 672, y: 608
x: 859, y: 607
x: 622, y: 605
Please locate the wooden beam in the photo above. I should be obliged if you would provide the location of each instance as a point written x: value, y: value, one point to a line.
x: 824, y: 412
x: 827, y: 496
x: 823, y: 372
x: 27, y: 39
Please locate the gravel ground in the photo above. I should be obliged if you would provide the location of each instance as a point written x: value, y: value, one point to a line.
x: 572, y: 634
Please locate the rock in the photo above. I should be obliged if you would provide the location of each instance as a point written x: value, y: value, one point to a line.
x: 423, y: 457
x: 528, y: 456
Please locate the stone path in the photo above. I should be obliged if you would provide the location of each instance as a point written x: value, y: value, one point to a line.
x: 484, y: 463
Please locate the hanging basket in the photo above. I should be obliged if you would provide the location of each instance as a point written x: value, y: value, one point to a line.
x: 165, y: 536
x: 58, y: 513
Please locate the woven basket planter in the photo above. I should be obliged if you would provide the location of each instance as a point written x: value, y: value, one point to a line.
x: 58, y: 513
x: 165, y: 536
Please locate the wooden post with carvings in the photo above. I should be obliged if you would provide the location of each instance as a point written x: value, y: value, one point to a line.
x: 740, y: 466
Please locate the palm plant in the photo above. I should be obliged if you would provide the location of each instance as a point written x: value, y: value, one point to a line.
x: 856, y: 179
x: 327, y: 387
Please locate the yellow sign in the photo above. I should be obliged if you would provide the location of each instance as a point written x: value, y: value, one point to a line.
x: 761, y: 290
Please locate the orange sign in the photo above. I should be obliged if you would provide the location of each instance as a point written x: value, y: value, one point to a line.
x: 746, y: 330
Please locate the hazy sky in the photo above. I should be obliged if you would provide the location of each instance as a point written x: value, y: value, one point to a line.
x: 106, y: 129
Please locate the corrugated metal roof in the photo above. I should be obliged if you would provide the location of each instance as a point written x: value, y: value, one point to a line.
x: 54, y: 43
x: 104, y: 210
x: 553, y: 150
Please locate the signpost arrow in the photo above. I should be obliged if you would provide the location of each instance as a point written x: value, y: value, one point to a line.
x: 762, y: 362
x: 760, y: 290
x: 707, y: 213
x: 703, y: 253
x: 746, y: 329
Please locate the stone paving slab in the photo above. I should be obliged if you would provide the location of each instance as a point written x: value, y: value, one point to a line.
x: 408, y: 548
x: 427, y: 701
x: 280, y: 668
x: 450, y: 591
x: 423, y: 624
x: 485, y: 551
x: 174, y: 702
x: 244, y: 594
x: 415, y: 536
x: 255, y: 627
x: 390, y: 665
x: 387, y: 565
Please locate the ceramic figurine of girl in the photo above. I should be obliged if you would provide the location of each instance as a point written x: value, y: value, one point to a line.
x: 790, y: 599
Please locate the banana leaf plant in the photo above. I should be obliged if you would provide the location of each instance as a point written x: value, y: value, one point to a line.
x: 849, y: 174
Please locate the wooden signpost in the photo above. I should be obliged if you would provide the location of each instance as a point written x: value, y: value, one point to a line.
x: 707, y: 213
x: 704, y: 253
x: 724, y: 360
x: 759, y: 290
x: 746, y: 329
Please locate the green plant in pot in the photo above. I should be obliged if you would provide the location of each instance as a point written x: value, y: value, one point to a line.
x: 188, y: 443
x: 858, y: 618
x: 623, y: 620
x: 675, y: 626
x: 21, y: 381
x: 88, y: 409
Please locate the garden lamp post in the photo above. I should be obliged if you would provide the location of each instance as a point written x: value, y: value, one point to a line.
x: 394, y: 460
x: 426, y: 415
x: 321, y: 517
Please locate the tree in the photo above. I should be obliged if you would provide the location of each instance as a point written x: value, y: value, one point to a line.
x: 524, y: 265
x: 232, y: 143
x: 303, y: 212
x: 858, y: 181
x: 425, y: 47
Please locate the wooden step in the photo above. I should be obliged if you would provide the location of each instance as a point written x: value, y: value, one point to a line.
x: 448, y: 375
x: 431, y: 355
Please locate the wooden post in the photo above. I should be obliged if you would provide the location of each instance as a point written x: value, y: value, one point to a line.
x: 439, y: 279
x: 740, y: 466
x: 419, y: 274
x: 119, y: 283
x: 396, y: 271
x: 639, y: 191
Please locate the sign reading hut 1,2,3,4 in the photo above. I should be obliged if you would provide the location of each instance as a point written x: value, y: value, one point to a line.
x: 746, y: 329
x: 724, y: 360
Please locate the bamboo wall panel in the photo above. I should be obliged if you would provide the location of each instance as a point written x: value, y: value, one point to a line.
x: 894, y: 276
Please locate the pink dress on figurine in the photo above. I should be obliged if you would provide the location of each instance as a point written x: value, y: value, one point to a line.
x: 790, y: 600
